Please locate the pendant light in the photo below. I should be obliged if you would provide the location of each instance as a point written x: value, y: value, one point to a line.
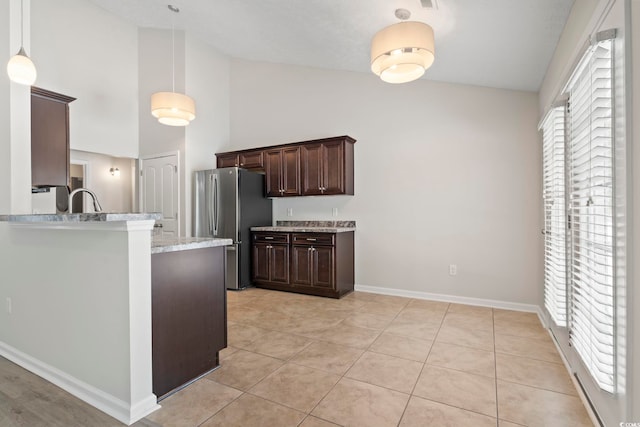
x: 402, y: 52
x: 172, y: 108
x: 20, y: 68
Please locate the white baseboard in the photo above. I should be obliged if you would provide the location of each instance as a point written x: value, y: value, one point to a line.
x: 532, y: 308
x: 581, y: 394
x: 110, y: 405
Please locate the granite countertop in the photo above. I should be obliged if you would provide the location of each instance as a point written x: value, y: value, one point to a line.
x: 173, y: 244
x: 310, y: 227
x: 81, y: 217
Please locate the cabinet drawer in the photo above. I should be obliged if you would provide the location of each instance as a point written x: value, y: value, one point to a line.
x: 271, y: 237
x: 314, y: 239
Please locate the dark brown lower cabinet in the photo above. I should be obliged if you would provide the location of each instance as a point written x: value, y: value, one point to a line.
x: 311, y: 263
x: 189, y: 315
x: 270, y: 258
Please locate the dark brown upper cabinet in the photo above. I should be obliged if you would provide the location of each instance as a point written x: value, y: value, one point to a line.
x: 320, y: 167
x: 251, y: 160
x: 227, y: 160
x: 282, y: 168
x: 49, y: 138
x: 327, y: 168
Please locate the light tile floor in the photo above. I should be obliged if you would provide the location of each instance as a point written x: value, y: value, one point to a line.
x: 364, y: 360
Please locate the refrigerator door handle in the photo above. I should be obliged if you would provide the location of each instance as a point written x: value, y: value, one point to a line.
x: 208, y: 183
x: 216, y: 195
x: 209, y: 198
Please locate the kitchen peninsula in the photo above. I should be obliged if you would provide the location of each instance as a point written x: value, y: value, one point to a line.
x: 77, y: 297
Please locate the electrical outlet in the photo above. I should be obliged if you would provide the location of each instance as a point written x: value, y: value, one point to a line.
x: 334, y: 212
x: 9, y: 305
x: 289, y: 211
x: 453, y: 269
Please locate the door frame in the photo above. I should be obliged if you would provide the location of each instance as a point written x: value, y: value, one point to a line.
x: 141, y: 181
x: 86, y: 182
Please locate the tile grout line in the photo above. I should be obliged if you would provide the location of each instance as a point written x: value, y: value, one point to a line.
x: 351, y: 366
x: 495, y: 365
x: 242, y: 393
x: 379, y: 333
x: 423, y: 365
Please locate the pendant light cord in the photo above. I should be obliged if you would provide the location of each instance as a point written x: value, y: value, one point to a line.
x: 22, y: 24
x: 173, y: 53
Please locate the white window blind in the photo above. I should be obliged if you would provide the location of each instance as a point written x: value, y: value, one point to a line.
x: 553, y: 194
x: 591, y: 198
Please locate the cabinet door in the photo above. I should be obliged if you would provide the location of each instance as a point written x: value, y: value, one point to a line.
x: 261, y: 262
x: 227, y: 160
x: 188, y: 315
x: 311, y: 157
x: 273, y: 172
x: 252, y: 160
x: 323, y: 266
x: 49, y: 139
x: 301, y: 273
x: 333, y: 167
x: 280, y: 264
x: 291, y: 171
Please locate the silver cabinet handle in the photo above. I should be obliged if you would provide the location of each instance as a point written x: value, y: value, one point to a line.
x: 311, y: 240
x: 268, y: 238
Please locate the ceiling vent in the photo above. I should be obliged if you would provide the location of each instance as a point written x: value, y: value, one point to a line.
x: 429, y: 4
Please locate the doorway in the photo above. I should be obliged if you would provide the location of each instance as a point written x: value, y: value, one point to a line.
x: 160, y: 191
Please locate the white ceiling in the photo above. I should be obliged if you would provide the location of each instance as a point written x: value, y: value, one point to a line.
x: 494, y: 43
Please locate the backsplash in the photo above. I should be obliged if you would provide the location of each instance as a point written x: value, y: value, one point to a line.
x: 350, y: 224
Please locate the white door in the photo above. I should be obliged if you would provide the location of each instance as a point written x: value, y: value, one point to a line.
x: 159, y: 183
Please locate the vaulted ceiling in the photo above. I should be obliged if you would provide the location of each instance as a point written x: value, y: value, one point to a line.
x: 495, y: 43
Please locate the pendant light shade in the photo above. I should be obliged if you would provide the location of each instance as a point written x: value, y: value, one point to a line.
x: 173, y: 109
x: 402, y: 52
x: 20, y: 67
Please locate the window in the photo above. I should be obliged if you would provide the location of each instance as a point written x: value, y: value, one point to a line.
x: 555, y: 237
x: 591, y: 211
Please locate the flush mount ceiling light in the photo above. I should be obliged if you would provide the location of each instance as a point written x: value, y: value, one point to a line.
x: 20, y: 68
x: 401, y: 52
x: 172, y: 108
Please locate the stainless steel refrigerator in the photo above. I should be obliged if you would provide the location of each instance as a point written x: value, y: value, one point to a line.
x: 227, y: 203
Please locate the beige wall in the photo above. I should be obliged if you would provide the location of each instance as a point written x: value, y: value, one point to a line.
x: 445, y: 174
x: 202, y: 73
x: 82, y: 51
x: 207, y: 78
x: 92, y: 57
x: 114, y: 193
x: 5, y: 111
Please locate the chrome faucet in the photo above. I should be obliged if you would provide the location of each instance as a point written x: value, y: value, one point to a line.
x: 96, y: 205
